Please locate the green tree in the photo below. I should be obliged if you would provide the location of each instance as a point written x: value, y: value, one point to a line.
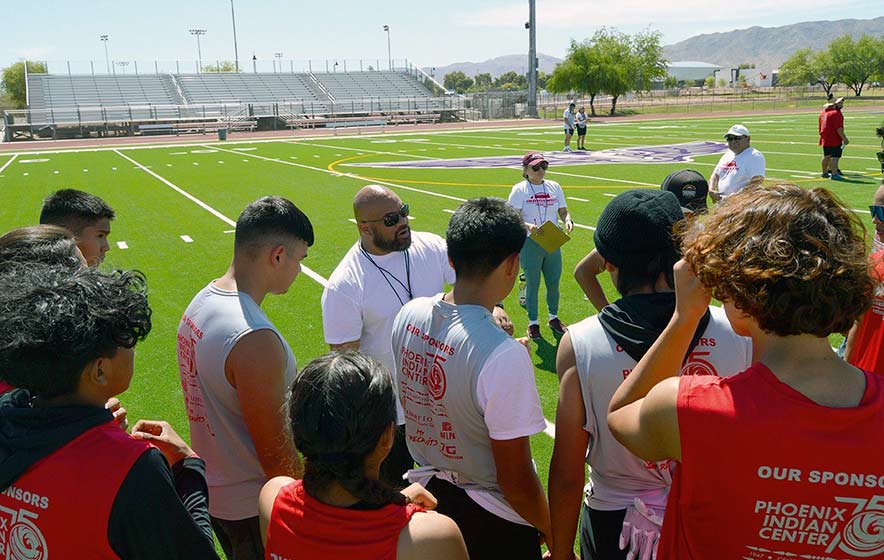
x: 511, y: 80
x: 222, y: 67
x: 13, y: 80
x: 671, y: 82
x: 617, y: 66
x: 855, y: 62
x: 709, y: 82
x: 542, y: 78
x: 824, y: 70
x: 457, y: 81
x: 483, y: 81
x: 579, y: 72
x: 798, y: 70
x: 647, y: 62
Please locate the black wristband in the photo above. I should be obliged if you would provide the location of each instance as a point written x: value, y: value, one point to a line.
x: 499, y: 304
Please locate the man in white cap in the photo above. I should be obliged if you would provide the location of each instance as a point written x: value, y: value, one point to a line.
x: 741, y: 165
x: 832, y: 138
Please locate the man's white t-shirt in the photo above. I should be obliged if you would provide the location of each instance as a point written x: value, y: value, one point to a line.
x: 538, y: 204
x: 568, y: 119
x: 735, y: 170
x: 360, y: 301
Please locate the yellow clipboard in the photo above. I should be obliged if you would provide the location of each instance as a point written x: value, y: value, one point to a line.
x: 549, y: 236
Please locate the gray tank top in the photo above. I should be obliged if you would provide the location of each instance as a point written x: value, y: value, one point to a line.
x: 213, y: 323
x: 616, y: 475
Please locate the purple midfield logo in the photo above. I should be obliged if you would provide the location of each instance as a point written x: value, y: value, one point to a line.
x: 673, y: 153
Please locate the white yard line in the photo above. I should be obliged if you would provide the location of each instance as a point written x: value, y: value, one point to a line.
x: 5, y: 165
x: 577, y: 199
x: 375, y: 181
x: 310, y: 273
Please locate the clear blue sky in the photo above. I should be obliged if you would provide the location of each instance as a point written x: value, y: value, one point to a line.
x: 427, y: 33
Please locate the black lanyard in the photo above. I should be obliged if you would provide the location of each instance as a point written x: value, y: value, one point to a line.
x: 545, y: 210
x: 387, y: 275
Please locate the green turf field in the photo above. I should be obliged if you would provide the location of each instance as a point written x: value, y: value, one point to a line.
x: 165, y: 195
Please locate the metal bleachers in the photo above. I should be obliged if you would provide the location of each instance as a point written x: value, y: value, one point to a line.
x: 248, y: 88
x: 129, y: 104
x: 356, y: 85
x: 52, y: 90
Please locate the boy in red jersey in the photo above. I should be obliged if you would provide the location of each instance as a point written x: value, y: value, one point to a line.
x: 784, y: 459
x: 72, y: 483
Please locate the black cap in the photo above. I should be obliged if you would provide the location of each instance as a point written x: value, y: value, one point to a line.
x: 689, y: 187
x: 637, y: 225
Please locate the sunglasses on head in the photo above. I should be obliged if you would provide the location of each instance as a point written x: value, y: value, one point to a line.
x: 730, y: 138
x: 877, y: 212
x: 390, y: 219
x: 542, y: 165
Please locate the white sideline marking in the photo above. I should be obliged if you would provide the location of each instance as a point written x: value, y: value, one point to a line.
x: 178, y: 154
x: 245, y: 149
x: 351, y: 220
x: 186, y: 239
x: 229, y: 231
x: 550, y: 429
x: 122, y: 245
x: 5, y: 165
x: 313, y: 275
x: 577, y: 199
x: 32, y: 160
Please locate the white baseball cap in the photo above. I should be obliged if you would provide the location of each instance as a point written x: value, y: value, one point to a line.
x: 737, y: 130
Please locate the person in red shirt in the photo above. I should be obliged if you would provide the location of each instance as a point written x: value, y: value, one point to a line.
x: 72, y: 483
x: 342, y: 409
x: 783, y: 460
x: 832, y: 138
x: 865, y: 341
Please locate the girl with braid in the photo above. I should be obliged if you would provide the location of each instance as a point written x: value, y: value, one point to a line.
x: 343, y: 415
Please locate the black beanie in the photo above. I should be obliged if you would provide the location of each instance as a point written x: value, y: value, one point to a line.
x: 637, y: 225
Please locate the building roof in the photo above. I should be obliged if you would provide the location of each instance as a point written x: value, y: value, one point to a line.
x: 691, y: 64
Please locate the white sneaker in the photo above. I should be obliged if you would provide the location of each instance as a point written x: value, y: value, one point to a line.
x: 567, y: 149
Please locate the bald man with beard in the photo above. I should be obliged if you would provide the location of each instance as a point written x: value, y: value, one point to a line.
x: 388, y: 266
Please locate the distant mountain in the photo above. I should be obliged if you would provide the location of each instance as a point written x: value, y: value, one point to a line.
x: 496, y: 66
x: 768, y: 47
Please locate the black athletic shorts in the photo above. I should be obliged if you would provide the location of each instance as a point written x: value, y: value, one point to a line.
x: 488, y: 537
x: 569, y: 131
x: 581, y: 130
x: 833, y: 151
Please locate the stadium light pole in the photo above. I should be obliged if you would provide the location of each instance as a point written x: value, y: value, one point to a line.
x: 106, y: 57
x: 199, y: 51
x: 389, y: 56
x: 235, y: 49
x: 278, y: 56
x: 532, y: 60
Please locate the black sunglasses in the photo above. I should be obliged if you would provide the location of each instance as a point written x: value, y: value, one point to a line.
x: 877, y: 212
x: 729, y: 138
x: 539, y: 166
x: 390, y: 219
